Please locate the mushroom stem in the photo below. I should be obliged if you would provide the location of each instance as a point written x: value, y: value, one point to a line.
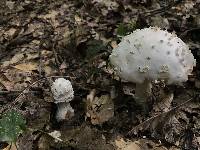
x: 142, y: 92
x: 64, y: 111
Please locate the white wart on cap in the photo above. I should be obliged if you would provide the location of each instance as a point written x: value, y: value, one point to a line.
x: 152, y: 54
x: 62, y: 90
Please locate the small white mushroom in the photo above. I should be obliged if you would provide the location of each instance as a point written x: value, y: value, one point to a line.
x: 65, y: 111
x: 169, y: 59
x: 63, y: 93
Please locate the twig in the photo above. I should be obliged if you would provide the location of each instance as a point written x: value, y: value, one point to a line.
x: 40, y: 63
x: 55, y: 55
x: 15, y: 91
x: 163, y: 9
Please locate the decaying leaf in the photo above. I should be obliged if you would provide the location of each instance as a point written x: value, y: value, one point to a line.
x: 11, y: 147
x: 9, y: 34
x: 26, y: 141
x: 16, y: 58
x: 99, y: 109
x: 27, y: 66
x: 142, y: 144
x: 44, y: 142
x: 10, y: 4
x: 163, y: 102
x: 198, y: 140
x: 51, y: 16
x: 127, y: 145
x: 56, y: 135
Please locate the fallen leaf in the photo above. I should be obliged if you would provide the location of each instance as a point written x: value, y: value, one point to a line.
x: 48, y: 70
x: 99, y: 109
x: 163, y: 104
x: 11, y: 147
x: 14, y: 59
x: 7, y: 85
x: 10, y: 4
x: 51, y: 16
x: 27, y: 66
x: 56, y: 135
x: 9, y: 34
x: 126, y: 145
x: 198, y: 140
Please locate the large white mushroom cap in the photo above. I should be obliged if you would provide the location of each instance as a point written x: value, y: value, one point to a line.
x: 62, y: 90
x: 152, y: 54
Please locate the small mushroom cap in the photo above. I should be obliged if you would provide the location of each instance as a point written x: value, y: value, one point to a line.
x: 152, y: 54
x: 62, y: 90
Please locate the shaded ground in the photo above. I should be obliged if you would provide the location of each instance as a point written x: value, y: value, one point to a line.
x: 42, y: 40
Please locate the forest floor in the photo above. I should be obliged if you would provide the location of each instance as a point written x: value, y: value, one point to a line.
x: 42, y: 40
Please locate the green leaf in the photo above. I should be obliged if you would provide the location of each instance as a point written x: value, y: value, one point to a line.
x: 122, y: 29
x: 125, y: 29
x: 12, y: 125
x: 94, y: 47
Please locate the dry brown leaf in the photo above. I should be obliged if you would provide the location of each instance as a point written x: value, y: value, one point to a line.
x: 198, y: 140
x: 10, y: 147
x: 14, y: 59
x: 48, y: 70
x: 5, y: 82
x: 51, y: 16
x: 56, y: 135
x: 141, y: 144
x: 9, y: 33
x: 14, y: 79
x: 126, y: 145
x: 7, y: 85
x: 10, y: 4
x: 174, y: 148
x: 32, y: 56
x: 99, y: 109
x: 77, y: 19
x: 122, y: 145
x: 114, y: 44
x: 63, y: 66
x: 164, y: 102
x: 44, y: 142
x: 46, y: 53
x: 27, y: 66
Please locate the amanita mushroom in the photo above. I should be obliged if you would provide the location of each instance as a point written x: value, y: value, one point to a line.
x: 63, y: 93
x: 152, y: 54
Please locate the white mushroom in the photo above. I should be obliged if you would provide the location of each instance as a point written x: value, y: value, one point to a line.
x: 152, y: 54
x: 65, y: 111
x: 63, y: 93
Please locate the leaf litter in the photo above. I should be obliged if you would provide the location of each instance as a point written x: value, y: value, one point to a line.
x: 40, y: 41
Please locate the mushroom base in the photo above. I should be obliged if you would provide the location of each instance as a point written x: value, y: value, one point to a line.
x: 64, y: 111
